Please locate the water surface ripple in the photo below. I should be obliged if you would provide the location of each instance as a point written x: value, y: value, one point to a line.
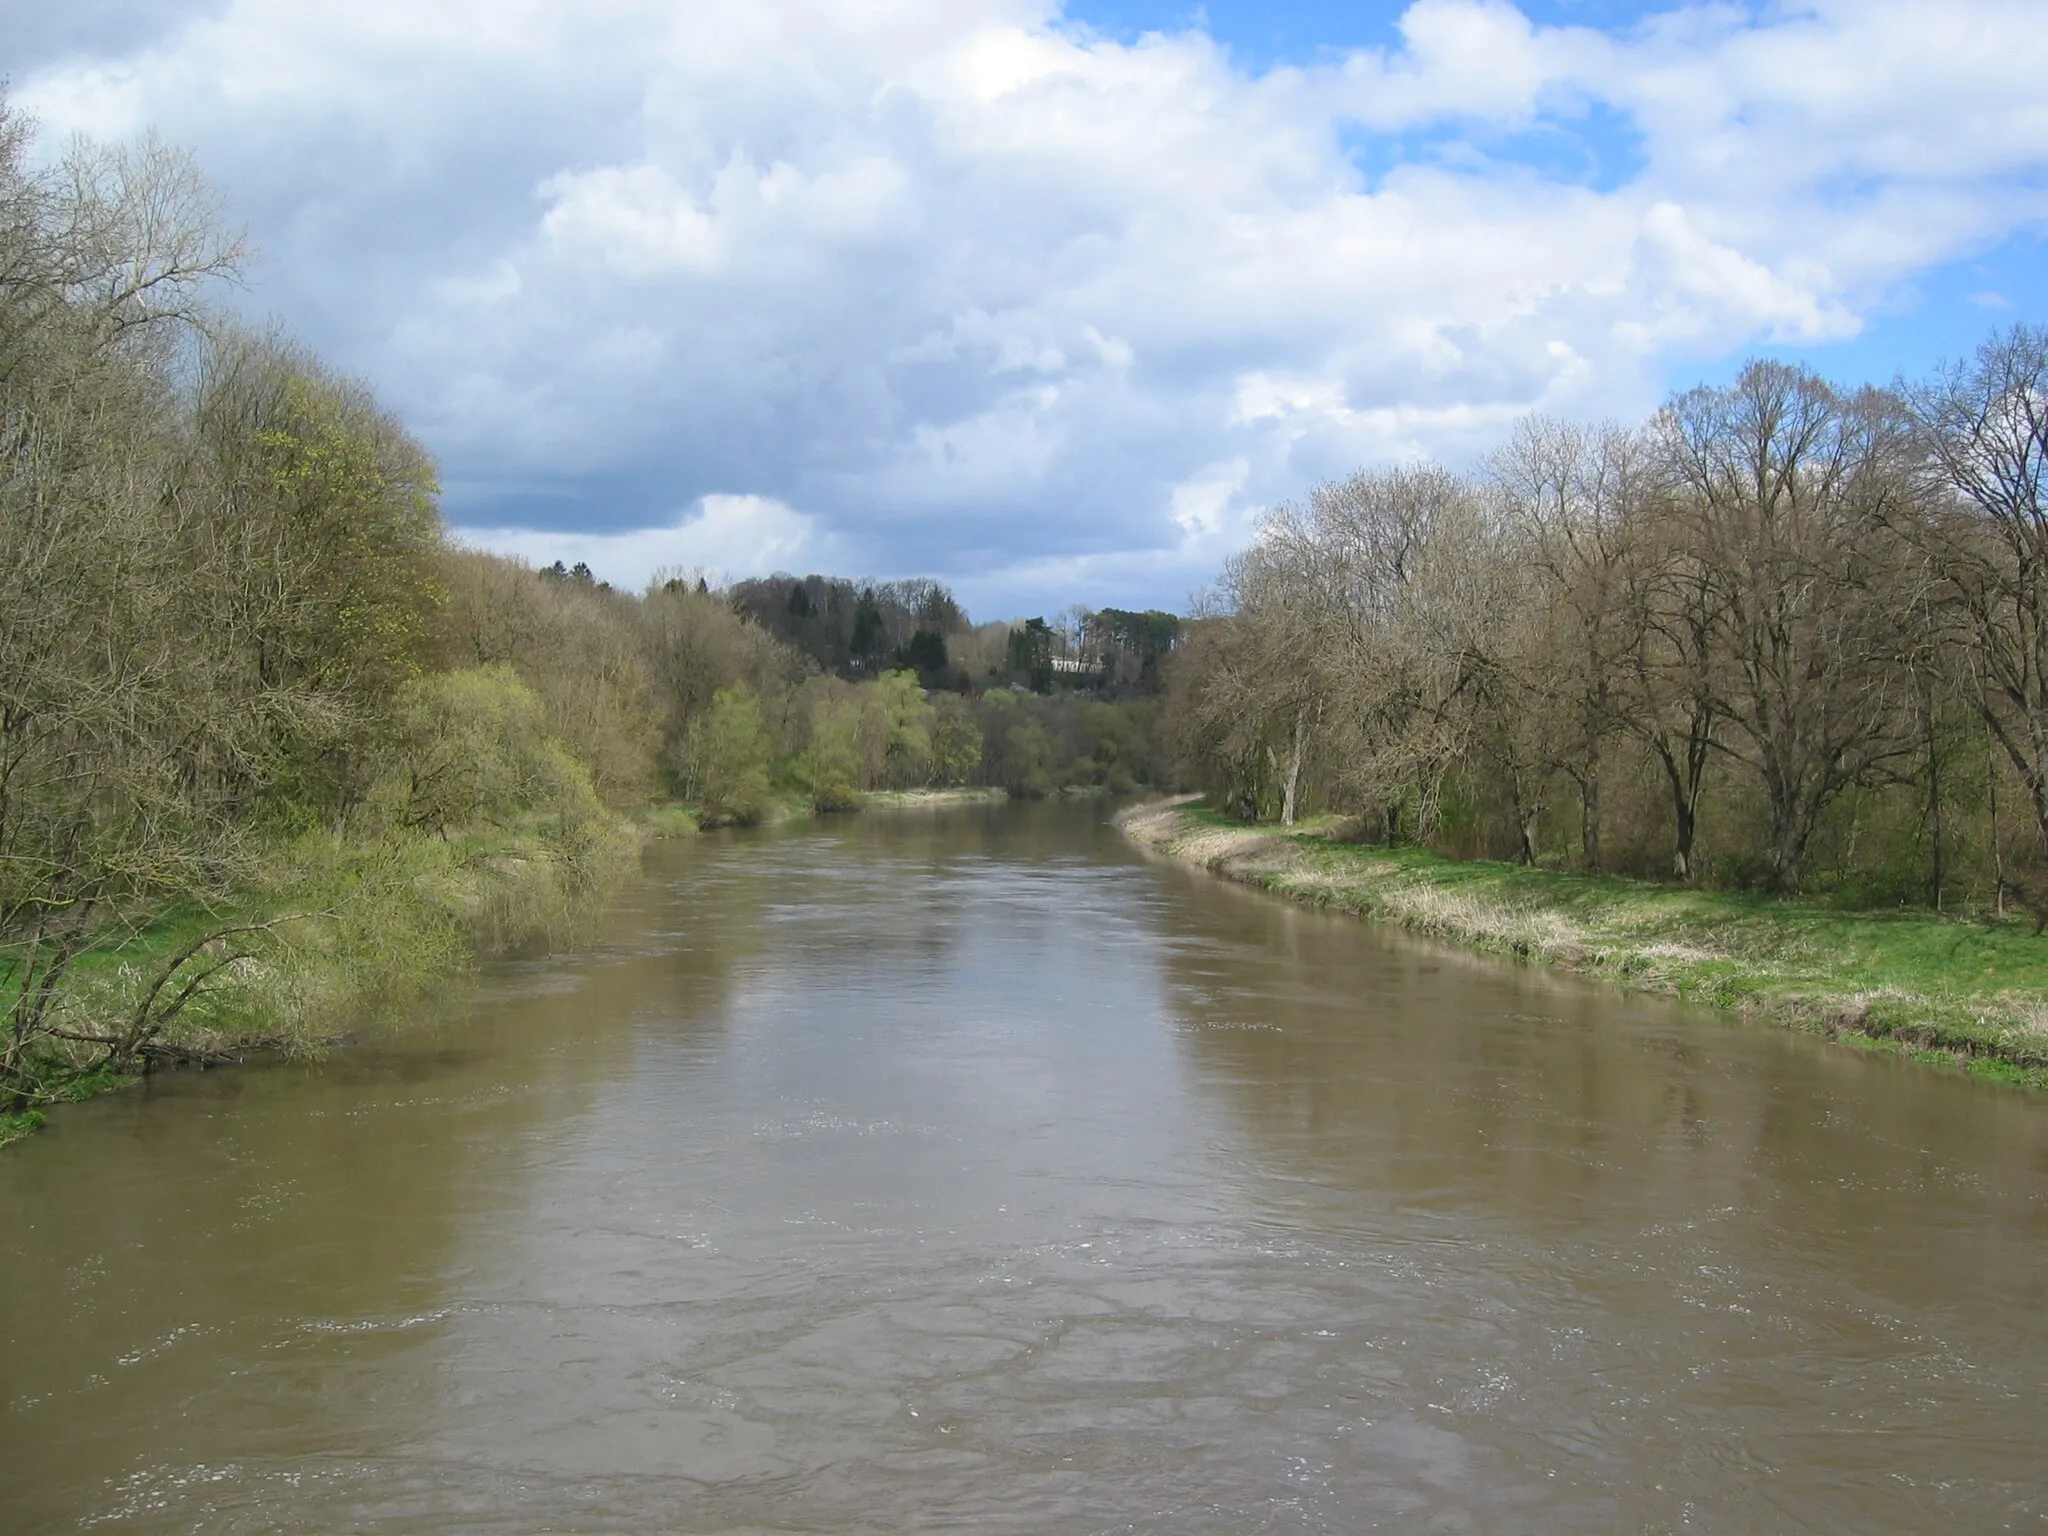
x: 972, y: 1171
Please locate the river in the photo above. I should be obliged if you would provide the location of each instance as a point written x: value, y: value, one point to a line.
x: 973, y: 1170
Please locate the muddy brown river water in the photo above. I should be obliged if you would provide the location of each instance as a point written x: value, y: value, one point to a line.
x: 972, y: 1171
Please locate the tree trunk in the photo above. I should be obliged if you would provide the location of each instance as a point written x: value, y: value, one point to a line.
x: 1589, y: 818
x: 1291, y: 784
x: 1686, y: 782
x: 1790, y: 831
x: 1934, y: 872
x: 1997, y: 841
x: 1528, y: 811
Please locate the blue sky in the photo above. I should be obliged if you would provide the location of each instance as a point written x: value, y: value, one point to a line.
x: 1051, y: 302
x: 1283, y: 32
x: 1922, y: 321
x: 1933, y: 316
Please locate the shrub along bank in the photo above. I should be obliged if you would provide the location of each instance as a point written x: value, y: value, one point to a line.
x: 1973, y: 994
x: 477, y: 840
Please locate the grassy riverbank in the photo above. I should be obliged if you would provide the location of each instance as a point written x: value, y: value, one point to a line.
x: 335, y: 934
x: 681, y: 820
x: 1941, y: 990
x: 933, y: 799
x: 343, y: 933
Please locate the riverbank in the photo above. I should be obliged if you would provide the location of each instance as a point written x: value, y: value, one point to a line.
x: 325, y: 935
x: 342, y: 933
x: 676, y: 819
x: 933, y: 799
x: 1943, y: 991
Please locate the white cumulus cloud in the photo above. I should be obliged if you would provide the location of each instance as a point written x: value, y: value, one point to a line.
x: 721, y: 536
x: 992, y: 297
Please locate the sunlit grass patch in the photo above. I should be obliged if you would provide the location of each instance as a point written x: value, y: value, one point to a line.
x: 670, y: 821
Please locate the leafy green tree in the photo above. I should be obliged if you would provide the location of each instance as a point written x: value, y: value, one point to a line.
x: 904, y: 726
x: 1028, y: 759
x: 956, y: 741
x: 338, y: 504
x: 324, y: 519
x: 1118, y: 747
x: 833, y: 763
x: 730, y: 758
x: 473, y: 747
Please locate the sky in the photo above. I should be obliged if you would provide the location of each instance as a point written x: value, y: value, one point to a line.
x: 1051, y: 301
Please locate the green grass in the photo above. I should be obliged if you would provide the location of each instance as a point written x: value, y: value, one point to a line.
x: 670, y: 820
x: 1954, y: 991
x: 363, y: 927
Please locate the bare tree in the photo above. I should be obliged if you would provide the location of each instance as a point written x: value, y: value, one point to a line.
x: 120, y: 728
x: 1389, y: 559
x: 1983, y: 427
x: 129, y: 735
x: 1278, y: 671
x: 1578, y: 492
x: 1786, y: 491
x: 117, y: 245
x: 1219, y: 714
x: 1672, y: 617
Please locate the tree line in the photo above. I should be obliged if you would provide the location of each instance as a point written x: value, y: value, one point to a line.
x: 236, y: 640
x: 855, y: 629
x: 1783, y: 635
